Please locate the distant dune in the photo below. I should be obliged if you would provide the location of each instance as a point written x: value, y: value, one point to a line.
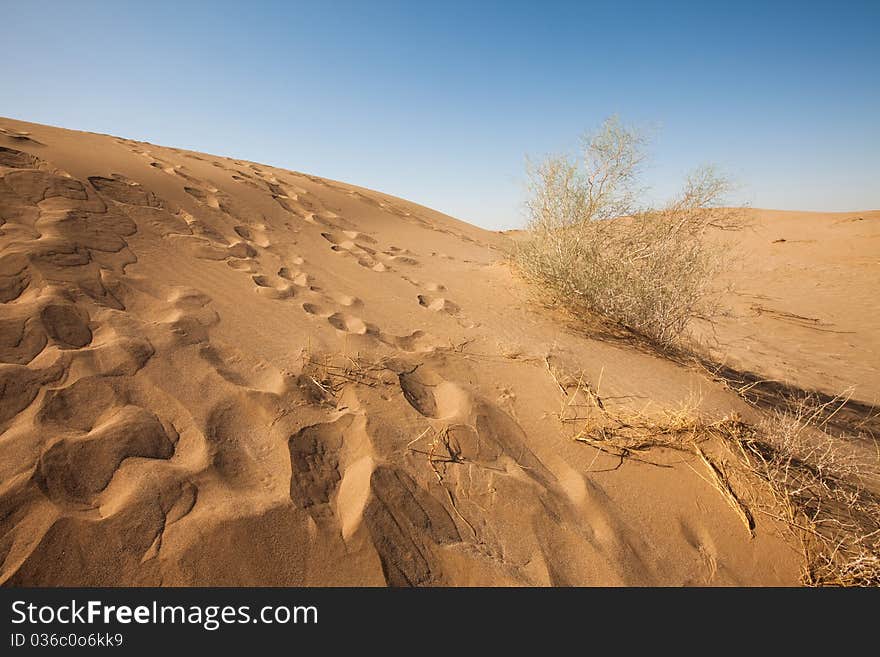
x: 805, y: 300
x: 216, y: 372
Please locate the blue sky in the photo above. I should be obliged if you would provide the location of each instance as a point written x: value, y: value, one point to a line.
x: 440, y: 102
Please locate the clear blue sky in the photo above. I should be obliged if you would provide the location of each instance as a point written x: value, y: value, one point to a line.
x: 440, y: 102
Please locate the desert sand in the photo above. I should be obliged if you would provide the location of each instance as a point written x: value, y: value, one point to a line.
x: 216, y: 372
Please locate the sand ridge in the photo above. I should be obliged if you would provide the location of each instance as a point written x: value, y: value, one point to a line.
x: 218, y: 372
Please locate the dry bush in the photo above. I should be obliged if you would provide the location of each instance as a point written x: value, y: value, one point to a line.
x: 824, y: 487
x: 590, y: 246
x: 632, y: 435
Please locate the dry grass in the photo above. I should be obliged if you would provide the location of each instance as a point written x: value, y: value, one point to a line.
x: 634, y: 435
x: 822, y: 486
x: 326, y: 375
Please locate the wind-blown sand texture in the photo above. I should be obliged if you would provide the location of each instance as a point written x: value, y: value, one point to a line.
x: 215, y: 372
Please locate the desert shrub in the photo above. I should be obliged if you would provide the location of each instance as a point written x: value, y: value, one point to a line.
x: 824, y: 485
x: 593, y: 249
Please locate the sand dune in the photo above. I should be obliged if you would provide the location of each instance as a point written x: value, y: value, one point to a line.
x: 805, y: 301
x: 216, y: 372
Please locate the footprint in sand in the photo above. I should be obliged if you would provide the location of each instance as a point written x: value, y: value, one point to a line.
x: 363, y: 255
x: 178, y: 170
x: 265, y: 288
x: 416, y: 342
x: 358, y: 237
x: 295, y: 276
x: 338, y: 244
x: 438, y: 304
x: 430, y: 287
x: 315, y: 467
x: 66, y: 325
x: 284, y: 198
x: 347, y: 300
x: 350, y: 324
x: 253, y: 234
x: 400, y: 256
x: 243, y: 264
x: 246, y: 180
x: 215, y: 199
x: 242, y: 250
x: 15, y: 159
x: 279, y: 293
x: 237, y: 255
x: 288, y: 196
x: 202, y: 196
x: 317, y: 220
x: 399, y: 259
x: 316, y: 310
x: 20, y: 136
x: 75, y: 469
x: 122, y: 190
x: 167, y: 167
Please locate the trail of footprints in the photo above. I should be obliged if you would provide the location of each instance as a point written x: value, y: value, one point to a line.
x: 395, y: 209
x: 63, y: 244
x: 364, y: 251
x: 99, y: 420
x: 292, y: 281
